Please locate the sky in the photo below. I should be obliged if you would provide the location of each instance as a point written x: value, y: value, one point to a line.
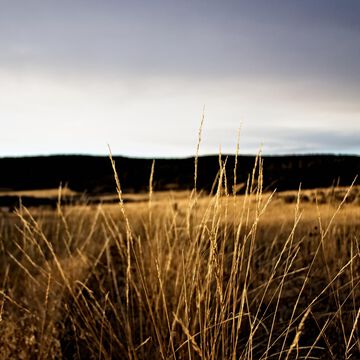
x: 79, y: 75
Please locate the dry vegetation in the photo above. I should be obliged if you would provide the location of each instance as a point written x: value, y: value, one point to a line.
x: 219, y: 276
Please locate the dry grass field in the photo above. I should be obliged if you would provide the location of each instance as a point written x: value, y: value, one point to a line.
x: 184, y: 275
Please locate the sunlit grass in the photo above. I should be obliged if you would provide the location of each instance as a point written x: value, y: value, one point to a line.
x: 183, y: 276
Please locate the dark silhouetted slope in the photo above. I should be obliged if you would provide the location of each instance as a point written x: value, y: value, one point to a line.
x: 94, y: 174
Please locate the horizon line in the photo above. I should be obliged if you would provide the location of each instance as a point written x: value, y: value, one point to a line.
x: 178, y: 157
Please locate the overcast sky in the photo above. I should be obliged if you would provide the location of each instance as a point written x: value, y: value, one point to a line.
x: 76, y: 75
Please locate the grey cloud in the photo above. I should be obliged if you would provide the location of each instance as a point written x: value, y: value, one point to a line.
x: 197, y: 38
x: 287, y: 141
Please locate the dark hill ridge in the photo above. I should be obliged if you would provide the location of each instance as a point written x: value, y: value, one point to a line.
x: 94, y: 173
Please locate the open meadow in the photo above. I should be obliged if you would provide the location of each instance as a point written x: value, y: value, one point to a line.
x: 179, y: 180
x: 183, y: 275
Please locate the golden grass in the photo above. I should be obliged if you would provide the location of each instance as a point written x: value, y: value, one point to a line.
x: 183, y: 276
x: 44, y: 193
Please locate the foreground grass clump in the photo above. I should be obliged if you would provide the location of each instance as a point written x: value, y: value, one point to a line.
x: 216, y: 276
